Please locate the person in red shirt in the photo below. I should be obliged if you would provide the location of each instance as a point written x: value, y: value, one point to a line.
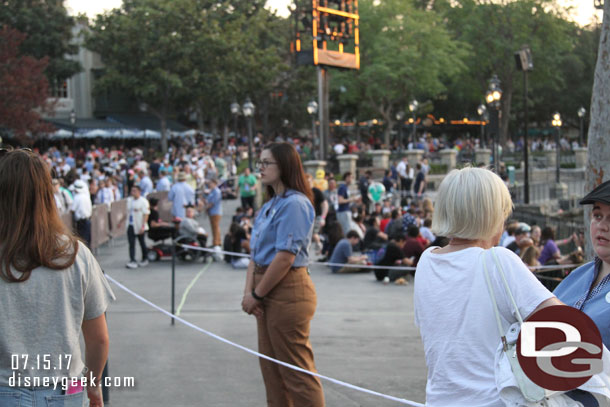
x: 384, y: 222
x: 413, y: 248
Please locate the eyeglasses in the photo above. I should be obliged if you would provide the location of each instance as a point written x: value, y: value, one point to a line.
x: 4, y: 151
x: 264, y: 164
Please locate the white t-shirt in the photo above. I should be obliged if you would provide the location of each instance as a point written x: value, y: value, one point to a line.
x: 81, y: 205
x: 339, y: 148
x: 137, y: 209
x: 457, y: 322
x: 401, y: 168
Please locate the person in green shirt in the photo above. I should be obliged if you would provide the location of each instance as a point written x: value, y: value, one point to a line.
x: 221, y: 165
x: 247, y: 189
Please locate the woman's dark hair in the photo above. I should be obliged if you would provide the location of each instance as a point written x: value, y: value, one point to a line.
x: 440, y: 241
x: 548, y: 233
x: 291, y: 170
x: 335, y: 233
x: 31, y: 231
x: 370, y: 221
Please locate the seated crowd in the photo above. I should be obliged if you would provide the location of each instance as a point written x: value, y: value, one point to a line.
x: 350, y: 232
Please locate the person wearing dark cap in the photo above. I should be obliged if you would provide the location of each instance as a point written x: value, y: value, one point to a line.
x: 522, y: 239
x: 588, y: 287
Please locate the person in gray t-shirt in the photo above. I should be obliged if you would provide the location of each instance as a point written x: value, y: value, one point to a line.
x: 51, y: 289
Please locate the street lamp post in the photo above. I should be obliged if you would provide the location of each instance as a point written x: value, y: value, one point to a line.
x: 556, y: 122
x: 312, y: 109
x: 484, y: 115
x: 581, y: 115
x: 399, y: 118
x: 73, y: 123
x: 493, y: 98
x: 235, y: 110
x: 413, y: 108
x: 248, y: 109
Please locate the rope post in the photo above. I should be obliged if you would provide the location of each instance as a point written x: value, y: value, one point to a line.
x: 173, y: 278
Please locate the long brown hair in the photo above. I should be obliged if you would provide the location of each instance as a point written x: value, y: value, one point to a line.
x: 292, y: 174
x: 31, y: 231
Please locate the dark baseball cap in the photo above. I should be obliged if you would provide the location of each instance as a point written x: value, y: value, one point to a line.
x: 600, y: 194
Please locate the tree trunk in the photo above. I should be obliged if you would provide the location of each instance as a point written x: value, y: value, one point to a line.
x: 214, y: 125
x: 387, y: 132
x: 225, y: 135
x: 265, y: 114
x: 598, y: 165
x: 386, y: 115
x: 163, y: 134
x: 200, y: 124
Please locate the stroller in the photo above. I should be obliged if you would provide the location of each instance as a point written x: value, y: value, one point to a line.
x: 163, y: 250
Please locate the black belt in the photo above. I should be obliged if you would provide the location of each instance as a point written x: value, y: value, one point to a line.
x: 260, y: 268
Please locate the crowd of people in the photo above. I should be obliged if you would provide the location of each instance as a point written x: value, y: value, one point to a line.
x: 196, y: 178
x: 191, y: 176
x: 451, y: 244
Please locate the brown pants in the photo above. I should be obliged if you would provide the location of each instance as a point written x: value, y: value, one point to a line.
x: 215, y: 223
x: 283, y: 334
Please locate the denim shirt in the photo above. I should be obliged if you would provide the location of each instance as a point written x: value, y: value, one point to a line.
x: 596, y: 305
x: 215, y: 197
x: 284, y: 223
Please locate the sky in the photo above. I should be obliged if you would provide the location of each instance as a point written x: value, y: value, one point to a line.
x: 582, y: 12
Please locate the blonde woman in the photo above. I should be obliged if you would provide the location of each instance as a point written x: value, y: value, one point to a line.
x: 453, y: 308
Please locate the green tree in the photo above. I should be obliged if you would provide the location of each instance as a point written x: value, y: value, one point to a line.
x: 146, y: 48
x: 189, y: 55
x: 49, y: 34
x: 406, y: 53
x: 239, y: 54
x: 496, y: 30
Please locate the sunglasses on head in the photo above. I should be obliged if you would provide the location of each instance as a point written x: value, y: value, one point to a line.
x: 4, y: 151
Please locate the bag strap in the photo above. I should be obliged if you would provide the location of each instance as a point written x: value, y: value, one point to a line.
x: 493, y: 300
x: 510, y: 294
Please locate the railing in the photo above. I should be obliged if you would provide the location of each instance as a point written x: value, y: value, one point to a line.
x: 539, y: 159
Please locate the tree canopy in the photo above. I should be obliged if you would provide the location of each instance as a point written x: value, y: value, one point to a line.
x: 407, y: 53
x: 196, y: 55
x: 24, y: 86
x: 48, y: 30
x: 495, y: 31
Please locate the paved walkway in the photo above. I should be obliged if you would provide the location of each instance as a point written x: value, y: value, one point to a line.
x: 363, y: 333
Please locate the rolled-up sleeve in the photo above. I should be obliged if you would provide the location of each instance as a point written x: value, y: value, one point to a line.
x: 294, y: 225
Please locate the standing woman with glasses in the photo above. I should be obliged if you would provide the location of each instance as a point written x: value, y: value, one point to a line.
x: 51, y: 289
x: 279, y: 291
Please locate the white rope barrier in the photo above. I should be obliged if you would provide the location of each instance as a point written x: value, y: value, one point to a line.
x: 252, y: 352
x: 364, y: 266
x: 351, y: 265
